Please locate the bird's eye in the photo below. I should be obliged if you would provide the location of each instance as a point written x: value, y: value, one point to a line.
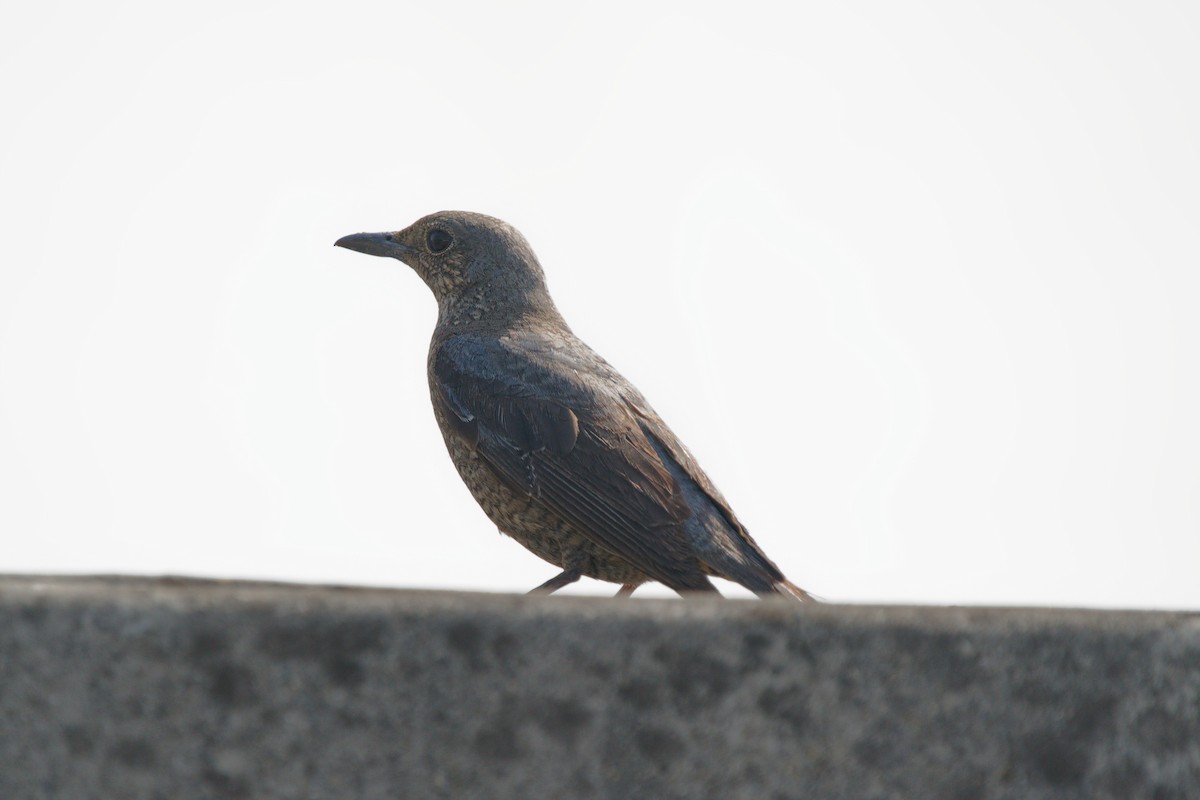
x: 437, y: 240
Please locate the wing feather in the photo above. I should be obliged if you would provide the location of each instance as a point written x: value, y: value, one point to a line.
x: 581, y: 453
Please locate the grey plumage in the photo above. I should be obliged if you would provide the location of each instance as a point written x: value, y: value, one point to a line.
x: 560, y: 451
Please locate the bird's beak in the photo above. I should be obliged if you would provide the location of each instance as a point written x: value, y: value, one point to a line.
x: 374, y: 244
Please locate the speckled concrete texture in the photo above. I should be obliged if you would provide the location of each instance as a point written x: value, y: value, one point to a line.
x: 130, y: 688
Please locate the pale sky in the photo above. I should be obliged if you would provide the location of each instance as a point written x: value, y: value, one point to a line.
x: 917, y: 283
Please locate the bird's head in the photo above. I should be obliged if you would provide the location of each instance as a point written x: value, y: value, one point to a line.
x: 475, y: 265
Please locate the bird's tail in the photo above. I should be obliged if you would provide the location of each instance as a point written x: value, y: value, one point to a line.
x: 789, y: 589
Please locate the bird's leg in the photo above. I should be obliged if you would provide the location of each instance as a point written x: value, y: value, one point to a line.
x: 625, y: 590
x: 557, y: 582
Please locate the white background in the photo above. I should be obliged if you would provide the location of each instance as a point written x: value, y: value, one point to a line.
x: 918, y: 282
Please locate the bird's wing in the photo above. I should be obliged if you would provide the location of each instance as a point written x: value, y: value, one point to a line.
x: 575, y: 448
x: 673, y: 449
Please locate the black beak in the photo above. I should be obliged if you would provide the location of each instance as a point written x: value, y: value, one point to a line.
x: 373, y: 244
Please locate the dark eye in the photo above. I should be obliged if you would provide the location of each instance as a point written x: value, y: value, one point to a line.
x: 438, y: 240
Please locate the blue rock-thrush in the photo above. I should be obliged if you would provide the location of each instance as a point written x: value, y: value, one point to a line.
x: 562, y: 452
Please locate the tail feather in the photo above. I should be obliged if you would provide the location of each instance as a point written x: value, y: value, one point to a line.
x: 789, y: 589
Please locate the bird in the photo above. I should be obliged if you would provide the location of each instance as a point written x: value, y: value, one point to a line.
x: 561, y: 452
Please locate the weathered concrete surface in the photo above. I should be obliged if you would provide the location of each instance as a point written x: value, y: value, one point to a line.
x: 184, y: 689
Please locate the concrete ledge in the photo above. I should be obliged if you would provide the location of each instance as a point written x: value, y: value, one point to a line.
x: 129, y: 688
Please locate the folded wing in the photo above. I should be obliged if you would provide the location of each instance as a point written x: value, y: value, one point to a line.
x: 575, y: 448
